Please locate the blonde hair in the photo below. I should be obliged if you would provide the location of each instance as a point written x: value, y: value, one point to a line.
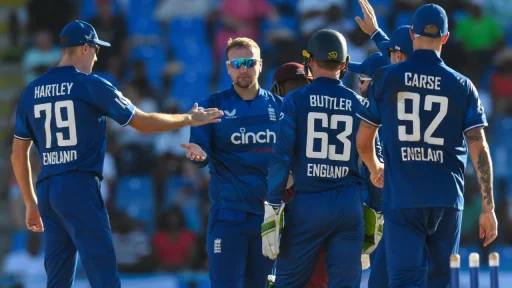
x: 431, y: 29
x: 69, y: 51
x: 329, y: 65
x: 242, y: 42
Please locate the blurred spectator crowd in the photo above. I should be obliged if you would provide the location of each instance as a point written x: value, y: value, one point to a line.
x: 168, y: 54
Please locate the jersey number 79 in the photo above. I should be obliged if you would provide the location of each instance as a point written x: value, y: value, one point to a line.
x: 60, y: 123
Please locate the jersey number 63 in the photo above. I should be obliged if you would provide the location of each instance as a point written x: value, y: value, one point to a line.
x: 328, y: 150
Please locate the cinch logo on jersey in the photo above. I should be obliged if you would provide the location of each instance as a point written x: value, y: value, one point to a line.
x: 59, y: 157
x: 253, y: 138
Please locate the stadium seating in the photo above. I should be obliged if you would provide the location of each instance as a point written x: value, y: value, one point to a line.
x: 88, y: 8
x: 172, y: 188
x: 19, y: 240
x: 135, y: 196
x: 403, y: 18
x: 155, y: 59
x: 186, y: 30
x: 190, y: 87
x: 141, y: 9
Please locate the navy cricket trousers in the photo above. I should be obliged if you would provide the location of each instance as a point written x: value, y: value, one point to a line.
x: 75, y: 219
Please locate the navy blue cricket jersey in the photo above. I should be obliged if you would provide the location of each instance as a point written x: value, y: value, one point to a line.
x: 63, y: 112
x: 317, y: 134
x: 239, y: 148
x: 424, y: 108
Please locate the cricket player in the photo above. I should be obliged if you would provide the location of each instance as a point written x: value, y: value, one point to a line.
x: 291, y: 76
x: 395, y: 50
x: 366, y: 70
x: 431, y: 116
x: 315, y: 137
x: 377, y: 256
x: 238, y: 154
x: 288, y: 77
x: 64, y: 114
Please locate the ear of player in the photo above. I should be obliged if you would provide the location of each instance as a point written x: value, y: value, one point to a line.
x: 271, y: 229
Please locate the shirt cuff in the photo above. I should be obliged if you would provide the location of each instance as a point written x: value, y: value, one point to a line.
x: 372, y: 123
x: 376, y: 31
x: 22, y: 138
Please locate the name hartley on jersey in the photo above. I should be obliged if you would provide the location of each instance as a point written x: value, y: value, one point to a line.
x: 52, y: 90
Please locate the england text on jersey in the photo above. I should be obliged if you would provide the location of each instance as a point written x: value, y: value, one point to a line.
x: 52, y: 90
x: 327, y: 171
x: 422, y: 154
x: 59, y: 157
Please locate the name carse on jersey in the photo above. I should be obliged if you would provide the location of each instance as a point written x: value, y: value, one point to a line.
x: 330, y: 103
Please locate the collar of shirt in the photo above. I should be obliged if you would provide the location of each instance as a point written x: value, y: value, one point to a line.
x: 235, y: 94
x: 62, y: 69
x: 328, y: 81
x: 427, y: 54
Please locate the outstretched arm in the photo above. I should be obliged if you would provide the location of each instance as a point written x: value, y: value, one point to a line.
x: 159, y: 122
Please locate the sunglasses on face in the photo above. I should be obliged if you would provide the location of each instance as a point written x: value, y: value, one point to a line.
x: 392, y: 50
x: 96, y: 48
x: 247, y: 62
x: 362, y: 79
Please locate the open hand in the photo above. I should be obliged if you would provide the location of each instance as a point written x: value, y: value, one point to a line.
x: 369, y: 23
x: 194, y: 152
x: 204, y: 116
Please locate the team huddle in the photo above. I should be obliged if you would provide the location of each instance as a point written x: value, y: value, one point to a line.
x: 310, y: 183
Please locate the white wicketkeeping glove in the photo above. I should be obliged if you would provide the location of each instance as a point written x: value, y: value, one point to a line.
x: 365, y: 261
x: 271, y: 230
x: 374, y: 223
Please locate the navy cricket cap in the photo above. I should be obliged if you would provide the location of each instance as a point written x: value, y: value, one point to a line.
x: 369, y: 66
x: 78, y: 33
x: 400, y: 41
x: 430, y: 14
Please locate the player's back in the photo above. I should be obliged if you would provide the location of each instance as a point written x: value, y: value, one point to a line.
x: 63, y: 113
x: 325, y: 156
x: 426, y: 107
